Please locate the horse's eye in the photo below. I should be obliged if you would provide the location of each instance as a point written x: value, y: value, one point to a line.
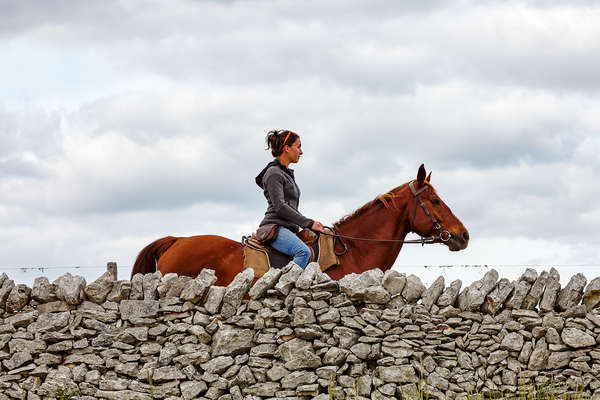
x: 435, y: 202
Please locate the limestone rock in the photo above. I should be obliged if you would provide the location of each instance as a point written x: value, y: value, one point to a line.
x: 214, y: 297
x: 291, y: 273
x: 449, y: 296
x: 355, y: 285
x: 413, y: 290
x: 495, y: 300
x: 433, y: 293
x: 264, y: 283
x: 394, y: 282
x: 70, y: 288
x: 299, y: 354
x: 397, y: 374
x: 231, y: 341
x: 196, y: 289
x: 132, y: 310
x: 551, y: 291
x: 5, y: 289
x: 536, y: 291
x: 150, y: 285
x: 591, y: 296
x: 474, y: 295
x: 307, y: 276
x: 571, y: 295
x: 43, y: 291
x: 101, y: 287
x: 18, y: 298
x: 137, y: 287
x: 236, y: 291
x: 539, y: 356
x: 577, y: 338
x: 517, y: 297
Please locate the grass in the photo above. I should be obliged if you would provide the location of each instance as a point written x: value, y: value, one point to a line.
x: 65, y: 393
x: 542, y: 391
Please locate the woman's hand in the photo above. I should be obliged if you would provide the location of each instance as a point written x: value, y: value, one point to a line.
x: 318, y: 227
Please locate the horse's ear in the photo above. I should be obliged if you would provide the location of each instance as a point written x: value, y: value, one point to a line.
x: 428, y: 179
x: 421, y: 175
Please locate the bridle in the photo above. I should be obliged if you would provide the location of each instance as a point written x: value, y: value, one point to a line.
x: 443, y: 236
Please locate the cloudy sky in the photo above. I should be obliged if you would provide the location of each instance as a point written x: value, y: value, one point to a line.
x: 125, y: 121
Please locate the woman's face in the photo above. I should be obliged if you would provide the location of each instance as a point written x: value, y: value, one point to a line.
x: 295, y: 151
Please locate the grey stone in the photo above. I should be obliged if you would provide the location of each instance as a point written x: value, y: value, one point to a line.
x: 376, y: 295
x: 397, y: 374
x: 513, y: 341
x: 18, y: 298
x: 530, y: 275
x: 196, y: 289
x: 43, y: 291
x: 355, y: 285
x: 232, y: 341
x: 536, y: 291
x: 134, y: 309
x: 572, y: 293
x: 287, y: 281
x: 217, y: 365
x: 495, y: 300
x: 450, y: 294
x: 150, y: 284
x: 591, y: 296
x: 264, y: 283
x: 472, y: 298
x: 432, y: 293
x: 5, y: 289
x: 517, y: 297
x: 539, y: 356
x: 214, y: 297
x: 299, y: 354
x: 551, y: 291
x: 137, y: 287
x: 236, y: 291
x: 70, y: 288
x: 413, y: 290
x: 120, y: 291
x: 307, y: 276
x: 165, y: 374
x: 577, y: 338
x: 298, y: 378
x: 101, y: 287
x: 559, y: 359
x: 394, y: 282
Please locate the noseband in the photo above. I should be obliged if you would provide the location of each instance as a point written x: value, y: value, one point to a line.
x: 444, y: 235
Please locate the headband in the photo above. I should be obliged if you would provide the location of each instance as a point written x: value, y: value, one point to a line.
x: 286, y: 138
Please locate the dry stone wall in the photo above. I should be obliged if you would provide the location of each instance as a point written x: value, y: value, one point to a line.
x: 296, y: 334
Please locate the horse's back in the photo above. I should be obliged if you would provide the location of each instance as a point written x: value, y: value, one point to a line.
x: 189, y: 255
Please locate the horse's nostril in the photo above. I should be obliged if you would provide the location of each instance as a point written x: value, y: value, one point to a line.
x: 465, y: 235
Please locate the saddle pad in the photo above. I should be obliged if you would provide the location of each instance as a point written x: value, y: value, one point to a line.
x: 327, y: 257
x: 256, y: 259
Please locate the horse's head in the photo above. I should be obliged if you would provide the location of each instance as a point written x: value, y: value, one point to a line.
x: 430, y: 216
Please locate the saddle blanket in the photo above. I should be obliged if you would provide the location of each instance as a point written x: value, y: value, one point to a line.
x: 261, y: 258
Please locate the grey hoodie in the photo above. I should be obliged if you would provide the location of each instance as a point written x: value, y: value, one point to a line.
x: 282, y: 194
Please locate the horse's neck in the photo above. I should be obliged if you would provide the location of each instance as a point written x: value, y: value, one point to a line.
x: 381, y: 223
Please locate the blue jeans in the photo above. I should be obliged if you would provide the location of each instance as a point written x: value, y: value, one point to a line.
x: 288, y: 243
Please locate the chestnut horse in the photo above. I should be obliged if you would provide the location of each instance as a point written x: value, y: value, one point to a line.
x: 373, y: 236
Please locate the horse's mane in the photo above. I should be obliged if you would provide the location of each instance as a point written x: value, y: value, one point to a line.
x: 387, y: 199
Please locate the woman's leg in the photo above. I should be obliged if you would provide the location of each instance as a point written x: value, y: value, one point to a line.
x: 288, y: 243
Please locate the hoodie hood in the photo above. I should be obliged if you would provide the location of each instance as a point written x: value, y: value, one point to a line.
x: 275, y: 162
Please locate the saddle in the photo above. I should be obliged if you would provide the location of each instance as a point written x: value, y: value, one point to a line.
x: 260, y: 257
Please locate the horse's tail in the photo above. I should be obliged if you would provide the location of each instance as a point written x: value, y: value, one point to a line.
x: 148, y: 257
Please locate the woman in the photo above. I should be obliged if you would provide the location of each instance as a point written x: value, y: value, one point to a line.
x: 283, y: 195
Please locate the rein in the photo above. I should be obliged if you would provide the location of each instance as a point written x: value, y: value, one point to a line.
x: 443, y: 236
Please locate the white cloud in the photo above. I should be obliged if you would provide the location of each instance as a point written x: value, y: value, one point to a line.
x: 122, y: 123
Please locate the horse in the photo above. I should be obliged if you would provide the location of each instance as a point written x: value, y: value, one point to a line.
x: 371, y: 237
